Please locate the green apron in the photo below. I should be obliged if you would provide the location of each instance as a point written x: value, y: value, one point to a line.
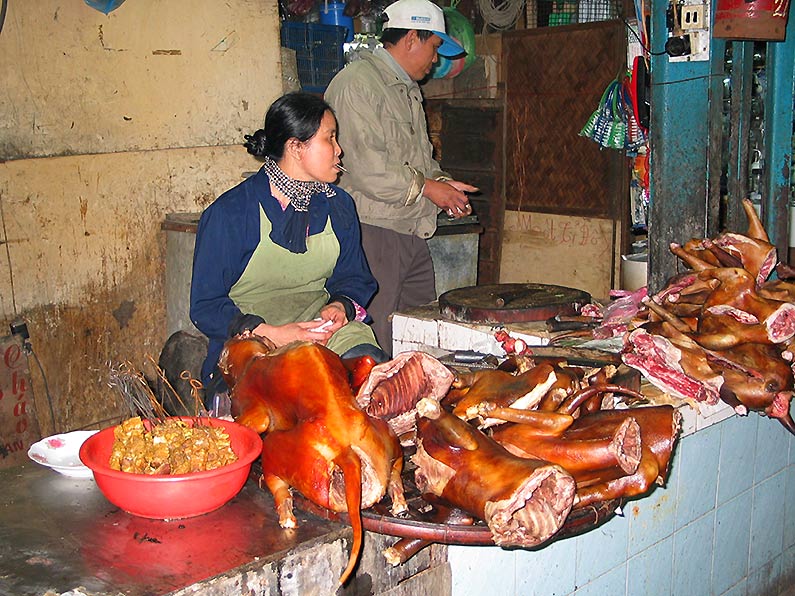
x: 285, y: 287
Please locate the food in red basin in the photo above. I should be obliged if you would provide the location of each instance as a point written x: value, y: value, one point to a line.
x: 172, y: 496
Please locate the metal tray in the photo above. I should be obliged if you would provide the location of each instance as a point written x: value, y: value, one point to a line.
x: 419, y: 522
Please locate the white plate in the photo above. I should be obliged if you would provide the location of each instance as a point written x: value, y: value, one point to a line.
x: 62, y: 453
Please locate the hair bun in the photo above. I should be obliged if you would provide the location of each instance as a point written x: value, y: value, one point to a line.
x: 257, y: 143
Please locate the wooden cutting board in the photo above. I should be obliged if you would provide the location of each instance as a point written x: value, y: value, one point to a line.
x: 511, y: 303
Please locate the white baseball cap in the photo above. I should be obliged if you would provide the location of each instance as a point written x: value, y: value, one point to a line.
x: 422, y: 15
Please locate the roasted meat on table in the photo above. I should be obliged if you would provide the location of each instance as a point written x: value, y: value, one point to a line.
x: 521, y: 472
x: 721, y: 330
x: 316, y: 438
x: 611, y: 453
x: 524, y: 502
x: 522, y: 391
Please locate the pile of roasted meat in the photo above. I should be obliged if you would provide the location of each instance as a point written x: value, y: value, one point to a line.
x: 518, y: 448
x: 522, y: 446
x: 721, y: 330
x: 169, y: 446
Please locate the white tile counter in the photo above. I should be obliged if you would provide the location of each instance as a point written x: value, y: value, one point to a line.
x: 423, y: 328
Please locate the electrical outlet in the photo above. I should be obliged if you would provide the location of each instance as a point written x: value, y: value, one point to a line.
x: 19, y: 327
x: 693, y: 27
x: 692, y: 17
x: 698, y: 48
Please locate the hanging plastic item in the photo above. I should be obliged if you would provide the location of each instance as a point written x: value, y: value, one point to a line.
x: 459, y: 28
x: 613, y: 124
x: 105, y: 6
x: 607, y: 126
x: 639, y: 92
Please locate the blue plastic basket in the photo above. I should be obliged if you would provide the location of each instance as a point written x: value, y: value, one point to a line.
x: 318, y: 52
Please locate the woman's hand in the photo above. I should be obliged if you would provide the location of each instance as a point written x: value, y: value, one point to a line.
x: 281, y: 335
x: 331, y: 319
x: 334, y: 312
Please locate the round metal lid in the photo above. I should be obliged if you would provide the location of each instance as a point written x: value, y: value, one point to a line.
x: 511, y: 303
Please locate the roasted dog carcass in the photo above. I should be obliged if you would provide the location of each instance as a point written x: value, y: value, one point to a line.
x: 721, y: 330
x: 523, y: 502
x: 317, y: 440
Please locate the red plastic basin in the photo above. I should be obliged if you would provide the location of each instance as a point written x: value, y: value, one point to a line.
x: 173, y: 496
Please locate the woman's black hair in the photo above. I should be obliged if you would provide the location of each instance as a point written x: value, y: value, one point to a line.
x: 294, y: 115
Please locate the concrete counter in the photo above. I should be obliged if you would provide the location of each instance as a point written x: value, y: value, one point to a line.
x: 60, y: 535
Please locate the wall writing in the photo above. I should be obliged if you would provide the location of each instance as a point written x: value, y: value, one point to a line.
x: 19, y: 427
x: 571, y: 251
x: 563, y: 230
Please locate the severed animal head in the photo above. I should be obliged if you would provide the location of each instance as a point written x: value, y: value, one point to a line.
x: 239, y: 352
x: 393, y: 388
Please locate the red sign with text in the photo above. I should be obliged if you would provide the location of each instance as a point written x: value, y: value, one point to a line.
x: 19, y: 427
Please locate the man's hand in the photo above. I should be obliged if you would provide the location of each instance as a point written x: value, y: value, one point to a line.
x: 450, y: 196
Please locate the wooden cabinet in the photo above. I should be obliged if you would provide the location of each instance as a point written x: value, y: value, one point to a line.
x: 467, y: 136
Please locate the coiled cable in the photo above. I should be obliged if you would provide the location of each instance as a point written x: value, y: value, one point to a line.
x: 500, y: 15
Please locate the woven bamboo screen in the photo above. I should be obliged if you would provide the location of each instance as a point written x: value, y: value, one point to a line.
x: 555, y: 77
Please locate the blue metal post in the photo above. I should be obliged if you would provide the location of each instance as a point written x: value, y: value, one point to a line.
x: 679, y: 160
x: 780, y: 73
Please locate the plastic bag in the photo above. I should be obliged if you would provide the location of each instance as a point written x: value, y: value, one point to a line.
x: 607, y: 126
x: 105, y: 6
x: 613, y: 124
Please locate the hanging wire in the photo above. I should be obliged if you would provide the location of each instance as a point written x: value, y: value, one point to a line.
x: 3, y: 9
x: 642, y: 35
x: 500, y: 15
x: 28, y: 349
x: 642, y: 45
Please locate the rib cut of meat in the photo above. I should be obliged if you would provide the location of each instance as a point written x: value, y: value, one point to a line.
x: 660, y: 361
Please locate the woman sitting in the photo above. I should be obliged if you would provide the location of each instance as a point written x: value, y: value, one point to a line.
x: 280, y: 253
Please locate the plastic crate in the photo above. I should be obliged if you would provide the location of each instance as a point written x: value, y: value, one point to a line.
x: 318, y: 52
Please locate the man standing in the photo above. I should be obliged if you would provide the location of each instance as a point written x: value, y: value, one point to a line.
x: 397, y: 185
